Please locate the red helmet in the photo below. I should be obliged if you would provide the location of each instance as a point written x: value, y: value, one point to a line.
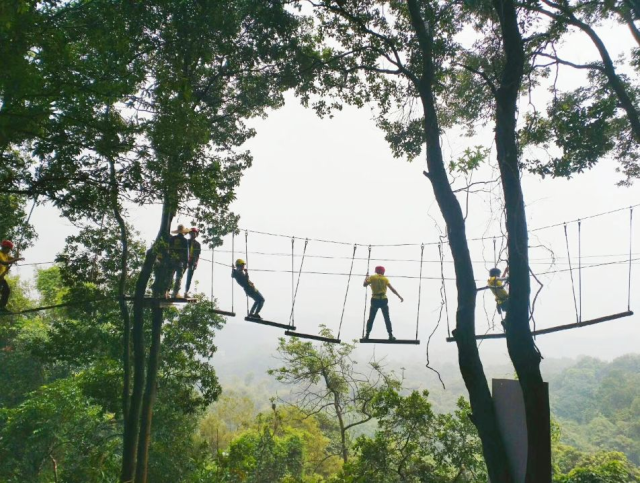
x: 7, y: 244
x: 380, y: 270
x: 194, y: 230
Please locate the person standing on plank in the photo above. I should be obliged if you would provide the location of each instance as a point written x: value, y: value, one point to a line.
x: 496, y: 285
x: 194, y: 256
x: 178, y: 258
x: 241, y: 275
x: 379, y: 284
x: 6, y: 261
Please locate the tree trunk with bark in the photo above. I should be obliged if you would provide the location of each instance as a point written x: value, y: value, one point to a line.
x: 522, y: 349
x: 484, y: 416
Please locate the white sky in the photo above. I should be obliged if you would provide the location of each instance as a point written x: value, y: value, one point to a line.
x: 336, y: 179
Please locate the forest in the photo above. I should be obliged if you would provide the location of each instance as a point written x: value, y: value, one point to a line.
x: 115, y: 111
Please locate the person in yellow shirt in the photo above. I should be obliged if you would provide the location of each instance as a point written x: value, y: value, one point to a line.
x: 6, y: 261
x: 379, y: 284
x: 496, y: 285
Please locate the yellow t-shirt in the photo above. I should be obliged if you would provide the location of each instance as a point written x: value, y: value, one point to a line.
x: 496, y: 287
x: 4, y: 257
x: 379, y: 284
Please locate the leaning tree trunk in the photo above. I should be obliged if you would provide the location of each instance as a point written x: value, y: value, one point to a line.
x: 522, y: 349
x: 471, y: 368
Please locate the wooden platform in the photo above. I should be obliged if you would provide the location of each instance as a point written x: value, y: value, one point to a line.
x: 269, y: 323
x: 557, y: 328
x: 387, y: 341
x: 224, y: 312
x: 292, y: 333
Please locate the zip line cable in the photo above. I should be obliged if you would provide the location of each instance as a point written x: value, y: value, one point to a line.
x: 344, y: 304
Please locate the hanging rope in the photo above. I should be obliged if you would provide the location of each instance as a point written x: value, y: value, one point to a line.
x: 26, y: 223
x: 233, y: 261
x: 419, y: 290
x: 344, y: 304
x: 573, y: 287
x: 364, y: 312
x: 295, y: 294
x: 293, y: 241
x: 444, y: 288
x: 246, y: 258
x: 630, y: 245
x: 213, y: 262
x: 495, y: 257
x: 580, y: 271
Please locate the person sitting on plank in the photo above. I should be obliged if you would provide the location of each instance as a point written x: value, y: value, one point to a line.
x: 241, y: 275
x: 6, y: 261
x: 496, y: 285
x: 379, y: 284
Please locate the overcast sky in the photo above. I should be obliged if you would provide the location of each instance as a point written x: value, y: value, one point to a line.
x: 335, y: 179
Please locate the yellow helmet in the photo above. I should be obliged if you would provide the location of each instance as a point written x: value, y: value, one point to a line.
x: 239, y: 262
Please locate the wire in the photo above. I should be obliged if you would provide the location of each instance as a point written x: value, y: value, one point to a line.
x: 580, y: 269
x: 344, y: 304
x: 443, y: 288
x: 419, y: 291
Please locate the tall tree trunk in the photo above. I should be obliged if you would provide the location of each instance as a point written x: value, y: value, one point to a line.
x: 471, y: 368
x: 522, y: 350
x: 132, y: 428
x: 157, y: 316
x: 122, y: 284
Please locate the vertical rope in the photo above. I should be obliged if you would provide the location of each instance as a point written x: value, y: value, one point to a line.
x: 213, y: 261
x: 344, y: 304
x: 295, y: 294
x: 580, y: 270
x: 293, y: 241
x: 495, y: 256
x: 630, y: 248
x: 444, y: 287
x: 419, y: 289
x: 246, y: 258
x: 364, y: 312
x: 233, y: 261
x: 573, y: 287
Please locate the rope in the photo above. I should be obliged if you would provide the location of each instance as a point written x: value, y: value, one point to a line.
x: 246, y: 259
x: 344, y: 304
x: 65, y: 304
x: 293, y: 241
x: 495, y: 257
x: 295, y: 295
x: 573, y: 288
x: 580, y: 269
x: 26, y: 223
x: 233, y: 261
x: 630, y: 245
x: 444, y: 288
x: 419, y: 291
x: 213, y: 262
x: 364, y: 312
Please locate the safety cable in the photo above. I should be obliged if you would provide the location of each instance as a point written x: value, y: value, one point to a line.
x: 419, y: 291
x: 366, y: 290
x: 293, y: 241
x: 630, y: 245
x: 495, y: 257
x: 233, y: 261
x: 295, y: 295
x: 213, y: 262
x: 573, y: 288
x: 344, y: 304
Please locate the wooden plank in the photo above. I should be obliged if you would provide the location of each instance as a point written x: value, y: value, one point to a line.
x: 224, y: 312
x: 271, y: 324
x: 387, y: 341
x: 557, y: 328
x: 312, y: 337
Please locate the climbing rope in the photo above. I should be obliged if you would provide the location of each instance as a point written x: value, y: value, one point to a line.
x: 573, y: 288
x: 213, y: 262
x: 295, y: 294
x: 364, y: 312
x: 419, y: 290
x: 344, y: 304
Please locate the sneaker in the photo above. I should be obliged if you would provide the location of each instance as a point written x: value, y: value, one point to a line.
x: 256, y: 316
x: 391, y: 337
x: 367, y: 335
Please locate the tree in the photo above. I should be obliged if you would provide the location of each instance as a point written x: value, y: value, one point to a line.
x: 325, y: 380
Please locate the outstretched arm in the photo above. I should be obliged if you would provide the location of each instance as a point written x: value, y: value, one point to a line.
x: 394, y: 291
